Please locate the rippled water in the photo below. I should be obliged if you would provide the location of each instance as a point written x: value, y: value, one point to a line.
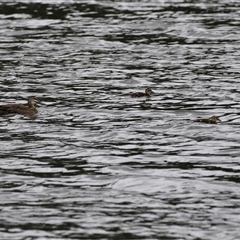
x: 98, y: 164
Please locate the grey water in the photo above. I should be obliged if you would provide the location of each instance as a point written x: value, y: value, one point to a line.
x: 98, y: 164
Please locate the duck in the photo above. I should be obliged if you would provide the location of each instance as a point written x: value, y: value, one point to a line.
x: 211, y: 120
x: 16, y: 108
x: 147, y: 93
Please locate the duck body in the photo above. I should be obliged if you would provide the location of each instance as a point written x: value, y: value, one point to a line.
x: 24, y: 109
x: 211, y: 120
x: 147, y: 93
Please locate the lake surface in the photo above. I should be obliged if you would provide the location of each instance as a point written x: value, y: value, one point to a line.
x: 98, y: 164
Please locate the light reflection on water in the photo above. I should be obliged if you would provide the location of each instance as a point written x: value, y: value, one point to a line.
x: 96, y: 163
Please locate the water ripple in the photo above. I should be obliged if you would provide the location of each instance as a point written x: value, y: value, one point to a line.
x: 99, y: 164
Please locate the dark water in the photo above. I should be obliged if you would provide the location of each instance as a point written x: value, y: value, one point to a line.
x: 98, y: 164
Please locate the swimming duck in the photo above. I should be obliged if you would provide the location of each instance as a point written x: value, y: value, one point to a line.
x: 147, y: 93
x: 211, y: 120
x: 25, y: 109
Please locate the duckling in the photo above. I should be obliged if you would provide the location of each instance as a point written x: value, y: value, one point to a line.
x: 24, y: 109
x: 211, y: 120
x: 147, y: 93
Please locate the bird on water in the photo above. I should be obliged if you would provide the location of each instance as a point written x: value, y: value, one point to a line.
x: 211, y: 120
x: 148, y: 92
x: 16, y: 108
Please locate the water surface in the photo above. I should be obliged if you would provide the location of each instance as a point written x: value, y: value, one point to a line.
x: 98, y: 164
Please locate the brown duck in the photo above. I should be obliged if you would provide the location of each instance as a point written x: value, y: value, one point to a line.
x: 15, y: 108
x: 147, y: 93
x: 211, y: 120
